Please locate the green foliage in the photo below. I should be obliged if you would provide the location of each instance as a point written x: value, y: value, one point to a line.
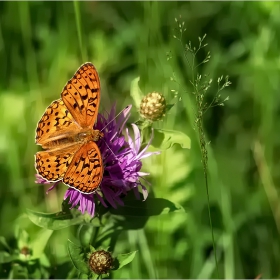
x: 78, y: 258
x: 124, y: 259
x: 165, y: 139
x: 53, y: 221
x: 27, y: 258
x: 150, y: 207
x: 42, y: 44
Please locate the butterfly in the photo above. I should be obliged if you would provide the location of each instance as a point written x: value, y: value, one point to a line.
x: 66, y: 134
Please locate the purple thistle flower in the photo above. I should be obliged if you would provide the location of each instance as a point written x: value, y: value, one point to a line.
x: 122, y: 164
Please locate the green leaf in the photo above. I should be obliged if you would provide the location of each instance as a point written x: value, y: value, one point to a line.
x: 111, y: 231
x: 73, y: 273
x: 35, y: 271
x: 77, y: 257
x: 54, y: 221
x: 151, y: 207
x: 86, y: 234
x: 124, y: 259
x: 95, y: 276
x: 168, y: 107
x: 165, y: 139
x: 83, y: 276
x: 22, y: 236
x: 18, y: 272
x: 5, y: 257
x: 44, y: 261
x: 39, y: 243
x: 135, y: 92
x: 4, y: 242
x: 92, y: 249
x: 135, y: 213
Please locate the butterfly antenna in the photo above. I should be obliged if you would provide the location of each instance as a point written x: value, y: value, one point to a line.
x: 109, y: 147
x: 108, y: 124
x: 113, y: 119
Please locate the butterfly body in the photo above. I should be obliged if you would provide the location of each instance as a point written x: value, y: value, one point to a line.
x: 83, y: 136
x: 88, y: 134
x: 66, y: 134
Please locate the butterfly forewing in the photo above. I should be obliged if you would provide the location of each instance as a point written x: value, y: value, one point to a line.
x: 86, y: 169
x: 57, y: 120
x: 81, y: 95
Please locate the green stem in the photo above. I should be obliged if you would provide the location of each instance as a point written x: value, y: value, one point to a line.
x: 205, y: 169
x: 95, y: 236
x: 210, y: 220
x: 199, y: 104
x: 79, y: 29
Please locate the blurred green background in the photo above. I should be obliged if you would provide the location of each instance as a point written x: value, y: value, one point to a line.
x: 40, y: 50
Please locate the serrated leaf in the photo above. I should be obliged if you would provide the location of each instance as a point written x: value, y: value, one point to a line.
x: 124, y: 259
x: 54, y: 221
x: 165, y: 139
x: 76, y: 255
x: 39, y: 243
x: 135, y: 92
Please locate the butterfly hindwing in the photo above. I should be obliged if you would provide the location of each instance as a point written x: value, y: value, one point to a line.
x: 85, y: 172
x: 52, y: 165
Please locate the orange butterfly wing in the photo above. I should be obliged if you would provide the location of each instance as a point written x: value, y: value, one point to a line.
x: 52, y: 165
x: 81, y: 95
x: 78, y: 164
x: 85, y: 171
x: 56, y: 120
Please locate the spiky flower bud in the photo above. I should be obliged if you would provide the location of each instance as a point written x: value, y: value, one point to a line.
x: 100, y: 262
x: 153, y: 106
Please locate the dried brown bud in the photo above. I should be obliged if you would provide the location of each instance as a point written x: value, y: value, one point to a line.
x: 100, y: 262
x: 25, y: 251
x: 153, y: 106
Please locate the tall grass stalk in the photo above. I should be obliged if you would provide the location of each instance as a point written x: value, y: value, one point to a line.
x: 200, y: 85
x: 29, y: 53
x: 267, y: 182
x: 79, y: 30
